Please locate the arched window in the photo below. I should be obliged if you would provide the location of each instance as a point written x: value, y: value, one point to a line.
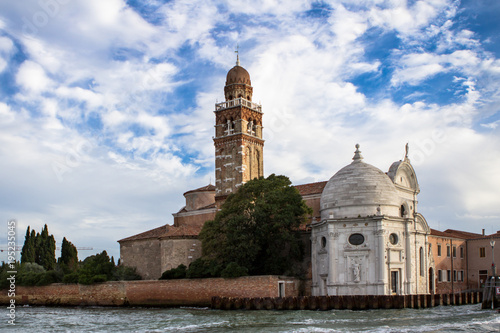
x: 403, y: 211
x: 421, y: 255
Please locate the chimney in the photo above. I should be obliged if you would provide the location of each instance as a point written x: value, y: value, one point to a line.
x: 483, y: 232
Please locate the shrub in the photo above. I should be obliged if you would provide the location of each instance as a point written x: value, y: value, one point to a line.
x: 125, y: 273
x: 70, y: 278
x: 29, y: 278
x: 203, y: 268
x: 49, y: 278
x: 174, y: 273
x: 233, y: 270
x: 99, y: 278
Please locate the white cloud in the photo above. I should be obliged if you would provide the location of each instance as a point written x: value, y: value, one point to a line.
x: 104, y: 61
x: 32, y: 77
x: 6, y: 114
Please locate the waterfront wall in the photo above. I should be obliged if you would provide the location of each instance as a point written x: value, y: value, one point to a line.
x: 192, y: 292
x: 356, y: 302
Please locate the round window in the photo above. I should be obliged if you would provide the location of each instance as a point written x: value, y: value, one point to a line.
x: 356, y: 239
x: 323, y: 241
x: 393, y: 238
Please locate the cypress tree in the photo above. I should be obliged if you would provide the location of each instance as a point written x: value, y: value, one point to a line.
x: 69, y: 256
x: 28, y: 252
x: 46, y: 249
x: 38, y: 247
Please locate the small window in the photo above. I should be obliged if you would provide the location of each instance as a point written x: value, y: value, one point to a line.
x: 461, y: 252
x: 482, y: 252
x: 454, y: 276
x: 393, y: 238
x: 454, y: 252
x: 323, y: 242
x: 439, y: 250
x: 448, y: 252
x: 440, y: 275
x: 356, y: 239
x: 403, y: 211
x: 448, y: 275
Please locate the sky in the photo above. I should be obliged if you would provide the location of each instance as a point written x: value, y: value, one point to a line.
x: 106, y: 107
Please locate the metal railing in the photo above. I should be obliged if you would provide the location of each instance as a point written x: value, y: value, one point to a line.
x: 238, y: 102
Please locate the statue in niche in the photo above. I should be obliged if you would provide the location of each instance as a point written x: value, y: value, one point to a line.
x: 356, y: 272
x: 250, y: 127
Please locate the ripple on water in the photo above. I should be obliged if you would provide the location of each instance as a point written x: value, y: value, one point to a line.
x: 468, y: 318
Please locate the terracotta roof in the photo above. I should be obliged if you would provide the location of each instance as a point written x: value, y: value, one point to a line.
x: 153, y: 233
x: 311, y: 188
x: 463, y: 234
x: 455, y: 234
x: 182, y: 231
x: 209, y: 187
x: 212, y: 205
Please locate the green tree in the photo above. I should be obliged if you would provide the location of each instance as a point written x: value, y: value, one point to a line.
x: 174, y: 273
x: 28, y: 251
x: 45, y: 249
x: 96, y: 268
x: 69, y: 257
x: 258, y: 228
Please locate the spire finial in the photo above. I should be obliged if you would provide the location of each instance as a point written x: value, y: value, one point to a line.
x: 407, y: 149
x: 357, y: 154
x: 237, y: 54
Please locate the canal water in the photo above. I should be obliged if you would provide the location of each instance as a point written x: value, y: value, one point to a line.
x: 466, y: 318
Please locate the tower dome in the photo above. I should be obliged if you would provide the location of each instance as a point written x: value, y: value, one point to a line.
x: 238, y: 84
x: 238, y: 75
x: 359, y: 189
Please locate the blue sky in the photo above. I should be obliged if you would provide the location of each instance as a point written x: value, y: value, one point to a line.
x: 106, y: 106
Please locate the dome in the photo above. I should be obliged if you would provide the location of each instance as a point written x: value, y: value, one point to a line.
x: 238, y: 74
x: 359, y: 189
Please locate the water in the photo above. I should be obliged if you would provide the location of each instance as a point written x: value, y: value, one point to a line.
x: 467, y: 318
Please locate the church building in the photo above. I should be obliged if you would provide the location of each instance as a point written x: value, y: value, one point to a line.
x: 371, y: 240
x: 367, y: 236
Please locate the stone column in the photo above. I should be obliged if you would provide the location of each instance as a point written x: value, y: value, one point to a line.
x: 381, y: 262
x: 408, y: 254
x: 332, y: 274
x: 314, y: 264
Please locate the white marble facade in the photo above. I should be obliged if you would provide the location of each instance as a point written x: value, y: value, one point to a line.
x: 370, y: 240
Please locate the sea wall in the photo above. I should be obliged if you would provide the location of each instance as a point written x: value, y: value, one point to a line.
x: 192, y: 292
x: 356, y: 302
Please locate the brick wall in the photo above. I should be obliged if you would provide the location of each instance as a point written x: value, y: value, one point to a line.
x: 194, y: 292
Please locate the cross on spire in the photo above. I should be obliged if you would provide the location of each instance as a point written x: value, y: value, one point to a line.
x: 237, y: 54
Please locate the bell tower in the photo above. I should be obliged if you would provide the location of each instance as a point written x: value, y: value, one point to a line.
x: 238, y: 135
